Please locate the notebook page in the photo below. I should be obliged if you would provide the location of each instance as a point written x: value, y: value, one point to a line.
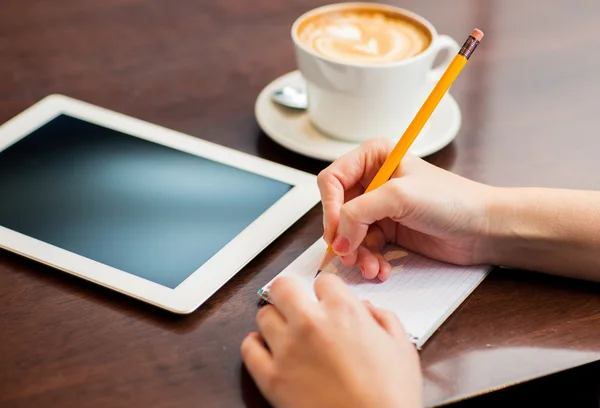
x: 422, y: 292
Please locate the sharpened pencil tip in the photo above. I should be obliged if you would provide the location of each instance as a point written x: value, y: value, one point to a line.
x: 328, y: 257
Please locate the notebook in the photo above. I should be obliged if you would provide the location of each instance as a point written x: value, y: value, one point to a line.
x: 422, y: 292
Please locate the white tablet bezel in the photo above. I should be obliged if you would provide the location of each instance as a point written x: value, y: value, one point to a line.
x: 207, y: 279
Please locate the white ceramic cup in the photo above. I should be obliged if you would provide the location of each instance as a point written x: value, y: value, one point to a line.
x: 355, y: 102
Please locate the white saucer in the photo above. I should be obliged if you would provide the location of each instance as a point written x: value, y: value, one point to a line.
x: 292, y: 129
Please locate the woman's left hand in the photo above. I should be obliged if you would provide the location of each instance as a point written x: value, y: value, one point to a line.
x: 336, y: 352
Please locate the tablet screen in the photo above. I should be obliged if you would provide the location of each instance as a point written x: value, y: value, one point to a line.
x: 143, y: 208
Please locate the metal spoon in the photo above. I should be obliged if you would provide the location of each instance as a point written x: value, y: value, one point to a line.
x: 290, y: 96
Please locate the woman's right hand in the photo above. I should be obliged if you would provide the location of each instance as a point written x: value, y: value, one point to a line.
x: 421, y: 208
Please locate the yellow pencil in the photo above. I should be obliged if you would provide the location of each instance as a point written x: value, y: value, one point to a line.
x: 393, y: 160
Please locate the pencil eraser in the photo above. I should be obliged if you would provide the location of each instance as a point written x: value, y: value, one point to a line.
x: 477, y: 33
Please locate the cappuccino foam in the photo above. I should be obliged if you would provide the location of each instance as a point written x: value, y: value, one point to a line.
x: 363, y: 36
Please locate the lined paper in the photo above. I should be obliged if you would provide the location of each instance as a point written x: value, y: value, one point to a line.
x: 422, y: 292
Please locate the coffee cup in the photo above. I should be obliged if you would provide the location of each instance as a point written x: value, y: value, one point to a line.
x: 368, y: 67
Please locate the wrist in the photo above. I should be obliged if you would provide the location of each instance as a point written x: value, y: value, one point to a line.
x: 506, y: 227
x: 522, y: 222
x: 546, y: 230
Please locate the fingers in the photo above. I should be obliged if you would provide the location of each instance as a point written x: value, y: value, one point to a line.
x: 258, y: 360
x: 385, y: 269
x: 375, y: 241
x: 357, y: 215
x: 350, y: 259
x: 372, y: 264
x: 387, y: 320
x: 368, y: 258
x: 332, y: 199
x: 349, y: 174
x: 375, y: 238
x: 331, y: 289
x: 369, y: 264
x: 290, y: 298
x: 271, y: 325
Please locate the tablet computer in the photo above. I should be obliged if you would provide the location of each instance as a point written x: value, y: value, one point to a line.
x: 155, y: 214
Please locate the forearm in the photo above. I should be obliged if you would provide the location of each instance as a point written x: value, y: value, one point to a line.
x: 545, y: 230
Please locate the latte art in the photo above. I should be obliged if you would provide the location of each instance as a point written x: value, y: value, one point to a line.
x: 363, y: 36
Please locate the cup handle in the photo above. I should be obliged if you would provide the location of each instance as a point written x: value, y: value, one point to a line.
x: 444, y: 42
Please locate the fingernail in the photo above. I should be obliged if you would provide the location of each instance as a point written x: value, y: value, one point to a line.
x: 251, y: 334
x: 340, y: 245
x: 362, y: 269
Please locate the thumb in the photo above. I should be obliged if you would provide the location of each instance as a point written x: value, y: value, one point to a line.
x: 359, y: 213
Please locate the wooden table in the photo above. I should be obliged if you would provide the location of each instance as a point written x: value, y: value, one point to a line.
x: 529, y: 102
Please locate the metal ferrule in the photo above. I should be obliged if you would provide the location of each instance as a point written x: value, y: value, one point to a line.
x: 469, y: 46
